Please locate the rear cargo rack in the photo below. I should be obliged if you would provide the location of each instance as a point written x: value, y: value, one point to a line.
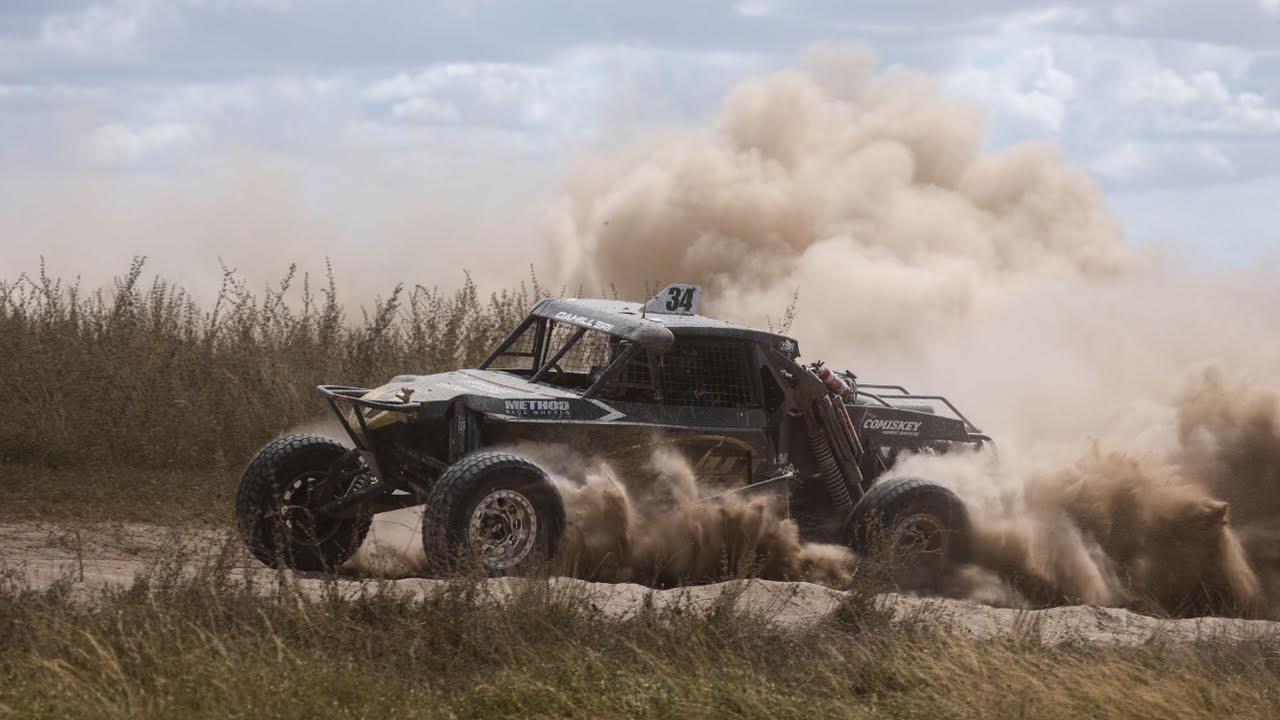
x: 901, y: 393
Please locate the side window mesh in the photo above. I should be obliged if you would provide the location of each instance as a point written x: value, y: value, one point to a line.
x: 773, y: 395
x: 520, y: 355
x: 634, y: 381
x: 706, y: 374
x: 694, y: 372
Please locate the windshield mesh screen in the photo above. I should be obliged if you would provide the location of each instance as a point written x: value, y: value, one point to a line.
x: 591, y: 352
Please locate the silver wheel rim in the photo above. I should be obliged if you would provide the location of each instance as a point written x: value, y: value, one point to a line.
x: 922, y: 534
x: 503, y: 529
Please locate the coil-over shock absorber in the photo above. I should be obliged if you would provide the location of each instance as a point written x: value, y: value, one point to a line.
x: 825, y: 464
x: 834, y: 441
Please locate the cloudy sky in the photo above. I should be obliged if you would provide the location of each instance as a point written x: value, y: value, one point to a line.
x: 192, y: 130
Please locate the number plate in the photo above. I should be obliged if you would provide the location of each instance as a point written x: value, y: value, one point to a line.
x: 676, y: 299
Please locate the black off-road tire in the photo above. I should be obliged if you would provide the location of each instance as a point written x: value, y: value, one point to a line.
x: 456, y: 497
x: 886, y: 525
x: 259, y: 499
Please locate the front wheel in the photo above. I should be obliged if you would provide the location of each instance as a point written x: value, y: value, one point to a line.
x: 277, y: 499
x: 917, y: 529
x: 494, y: 510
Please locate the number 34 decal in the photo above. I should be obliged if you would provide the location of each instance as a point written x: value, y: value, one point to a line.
x: 680, y: 298
x: 677, y: 299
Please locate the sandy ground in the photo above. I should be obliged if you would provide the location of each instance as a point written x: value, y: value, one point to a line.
x: 92, y: 556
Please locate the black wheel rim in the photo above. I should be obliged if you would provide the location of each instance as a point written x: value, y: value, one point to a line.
x: 295, y: 516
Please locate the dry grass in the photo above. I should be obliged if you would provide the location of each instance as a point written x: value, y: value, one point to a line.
x: 139, y: 404
x: 192, y: 641
x: 106, y: 493
x: 143, y: 376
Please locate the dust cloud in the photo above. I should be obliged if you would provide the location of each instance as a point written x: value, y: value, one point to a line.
x: 257, y: 213
x: 655, y: 525
x: 869, y: 189
x: 1187, y: 530
x: 652, y: 523
x: 1131, y: 390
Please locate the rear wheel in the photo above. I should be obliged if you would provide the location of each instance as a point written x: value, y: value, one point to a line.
x: 277, y: 499
x: 918, y: 529
x: 491, y: 510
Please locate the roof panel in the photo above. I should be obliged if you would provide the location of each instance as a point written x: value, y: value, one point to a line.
x: 654, y: 332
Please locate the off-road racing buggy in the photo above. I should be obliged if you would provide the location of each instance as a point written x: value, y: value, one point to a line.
x: 606, y: 377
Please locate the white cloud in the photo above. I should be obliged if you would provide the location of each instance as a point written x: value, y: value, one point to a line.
x: 1099, y: 92
x: 425, y: 109
x: 1136, y: 163
x: 1213, y: 156
x: 486, y: 94
x: 98, y: 30
x: 1148, y: 94
x: 1028, y: 86
x: 753, y: 8
x: 117, y: 144
x: 271, y: 5
x: 1120, y: 163
x: 1116, y: 83
x: 572, y: 94
x: 118, y: 28
x: 241, y: 96
x: 1039, y: 18
x: 1199, y: 101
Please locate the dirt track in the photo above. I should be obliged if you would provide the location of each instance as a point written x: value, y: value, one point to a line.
x: 94, y: 556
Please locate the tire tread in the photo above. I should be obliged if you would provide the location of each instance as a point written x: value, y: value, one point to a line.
x: 883, y: 500
x: 257, y: 487
x: 452, y: 490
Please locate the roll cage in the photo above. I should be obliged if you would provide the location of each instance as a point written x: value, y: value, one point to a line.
x: 551, y: 336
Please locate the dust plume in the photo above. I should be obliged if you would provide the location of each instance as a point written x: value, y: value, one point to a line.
x: 1189, y: 529
x: 654, y: 525
x: 870, y: 188
x: 1230, y: 436
x: 1127, y: 473
x: 651, y: 524
x: 393, y: 547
